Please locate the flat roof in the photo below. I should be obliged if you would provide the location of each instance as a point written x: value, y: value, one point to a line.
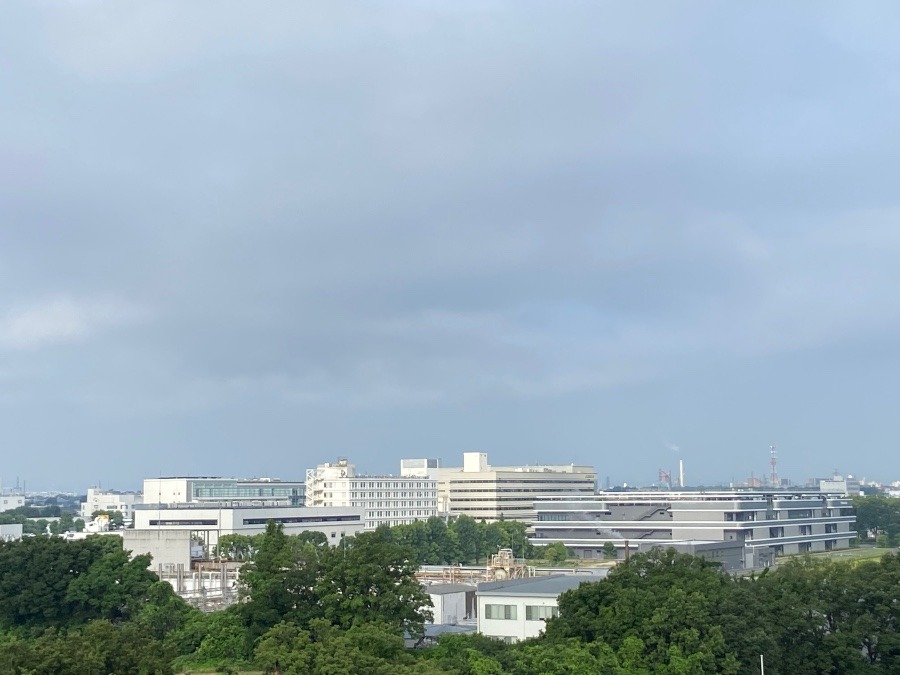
x: 444, y: 589
x: 552, y: 585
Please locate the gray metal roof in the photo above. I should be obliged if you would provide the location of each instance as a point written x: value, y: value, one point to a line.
x: 549, y: 586
x: 443, y: 589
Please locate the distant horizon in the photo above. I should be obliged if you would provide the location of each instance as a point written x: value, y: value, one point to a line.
x: 601, y: 479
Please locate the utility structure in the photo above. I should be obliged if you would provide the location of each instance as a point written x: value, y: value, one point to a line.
x: 773, y: 462
x: 665, y: 478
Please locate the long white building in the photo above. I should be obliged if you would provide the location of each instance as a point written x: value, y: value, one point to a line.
x: 213, y: 489
x: 779, y: 522
x: 208, y: 522
x: 385, y: 500
x: 492, y: 493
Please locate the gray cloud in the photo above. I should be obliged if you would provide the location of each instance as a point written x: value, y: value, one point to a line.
x: 241, y: 240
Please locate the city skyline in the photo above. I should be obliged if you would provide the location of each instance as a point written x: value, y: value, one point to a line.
x: 244, y: 243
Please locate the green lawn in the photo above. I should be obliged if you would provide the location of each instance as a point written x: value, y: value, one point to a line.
x: 863, y: 553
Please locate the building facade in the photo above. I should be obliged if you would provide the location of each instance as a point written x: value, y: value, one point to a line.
x: 764, y: 522
x: 11, y: 532
x: 517, y: 609
x: 109, y: 500
x: 208, y: 522
x: 848, y: 486
x: 385, y: 500
x: 492, y: 493
x: 207, y: 489
x: 10, y: 501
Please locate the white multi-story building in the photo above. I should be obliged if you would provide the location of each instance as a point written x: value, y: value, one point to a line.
x: 848, y: 486
x: 207, y: 489
x: 492, y: 493
x: 109, y: 500
x: 765, y: 522
x: 386, y: 500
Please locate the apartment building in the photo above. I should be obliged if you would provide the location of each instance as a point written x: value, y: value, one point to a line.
x: 764, y: 522
x: 492, y: 493
x: 385, y: 500
x: 109, y: 500
x: 212, y: 489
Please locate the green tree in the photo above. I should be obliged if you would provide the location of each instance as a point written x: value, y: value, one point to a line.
x: 116, y: 519
x: 468, y: 539
x: 371, y: 579
x: 279, y: 584
x: 114, y: 587
x: 36, y: 574
x: 669, y: 600
x: 556, y: 552
x: 609, y: 551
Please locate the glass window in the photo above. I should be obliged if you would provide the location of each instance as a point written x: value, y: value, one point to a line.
x: 507, y: 612
x: 540, y: 612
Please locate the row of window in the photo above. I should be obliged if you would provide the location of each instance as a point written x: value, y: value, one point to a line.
x: 401, y: 514
x: 384, y: 495
x: 525, y: 479
x: 369, y: 485
x: 421, y: 503
x: 509, y: 612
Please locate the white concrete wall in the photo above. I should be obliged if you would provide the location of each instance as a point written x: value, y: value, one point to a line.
x: 449, y: 608
x: 166, y: 490
x: 10, y: 532
x: 168, y: 547
x: 519, y: 628
x: 10, y: 502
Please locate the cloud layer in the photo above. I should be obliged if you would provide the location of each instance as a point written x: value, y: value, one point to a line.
x: 242, y: 241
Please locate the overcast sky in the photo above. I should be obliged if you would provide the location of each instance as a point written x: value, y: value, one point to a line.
x: 246, y: 238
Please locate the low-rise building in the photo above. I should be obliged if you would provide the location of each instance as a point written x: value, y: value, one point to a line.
x: 8, y: 502
x: 109, y: 501
x: 452, y: 603
x: 211, y: 490
x: 849, y: 486
x: 385, y: 500
x: 763, y: 522
x: 12, y: 532
x: 517, y: 609
x: 209, y: 522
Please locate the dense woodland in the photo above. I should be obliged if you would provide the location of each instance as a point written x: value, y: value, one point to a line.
x: 85, y: 607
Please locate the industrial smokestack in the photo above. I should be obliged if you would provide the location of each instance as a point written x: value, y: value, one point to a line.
x: 681, y: 473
